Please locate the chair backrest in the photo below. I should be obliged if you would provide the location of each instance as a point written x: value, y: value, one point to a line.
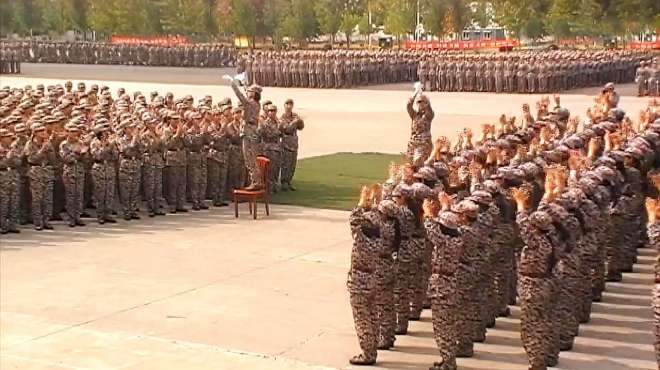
x: 264, y: 167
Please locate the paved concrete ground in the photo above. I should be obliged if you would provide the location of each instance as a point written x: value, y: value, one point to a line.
x: 206, y: 291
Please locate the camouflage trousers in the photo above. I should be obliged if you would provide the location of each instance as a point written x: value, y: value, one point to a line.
x: 446, y: 323
x: 422, y: 282
x: 614, y: 260
x: 41, y: 188
x: 656, y: 321
x: 419, y: 150
x: 386, y: 316
x: 217, y: 180
x: 503, y: 262
x: 537, y: 320
x: 251, y: 149
x: 9, y: 200
x: 587, y: 248
x: 194, y: 178
x: 362, y: 292
x: 153, y: 187
x: 481, y: 292
x: 275, y: 157
x: 59, y: 194
x: 567, y: 306
x: 236, y: 169
x: 129, y: 186
x: 469, y: 314
x: 103, y: 177
x: 289, y: 161
x: 176, y: 186
x: 408, y: 271
x: 24, y: 196
x: 74, y: 181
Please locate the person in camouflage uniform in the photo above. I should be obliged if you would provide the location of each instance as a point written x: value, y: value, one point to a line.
x: 10, y: 160
x: 270, y: 134
x: 236, y: 171
x: 40, y: 157
x: 362, y: 281
x: 153, y: 163
x: 72, y: 151
x: 104, y: 155
x: 420, y: 144
x: 290, y: 124
x: 250, y: 137
x: 385, y: 273
x: 130, y: 150
x: 218, y: 157
x: 175, y: 163
x: 194, y: 143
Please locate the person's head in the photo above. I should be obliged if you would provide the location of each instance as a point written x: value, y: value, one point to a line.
x: 254, y: 93
x: 422, y: 102
x: 272, y: 111
x: 6, y: 137
x: 238, y: 114
x: 288, y: 106
x: 227, y: 112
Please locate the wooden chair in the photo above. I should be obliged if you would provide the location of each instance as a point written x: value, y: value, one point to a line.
x: 252, y: 196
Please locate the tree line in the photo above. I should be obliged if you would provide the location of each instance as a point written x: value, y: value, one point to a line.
x: 301, y: 20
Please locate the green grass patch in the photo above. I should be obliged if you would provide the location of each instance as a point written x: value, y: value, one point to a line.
x: 334, y: 181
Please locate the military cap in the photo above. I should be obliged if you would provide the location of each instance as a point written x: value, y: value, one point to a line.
x: 388, y: 208
x: 426, y: 173
x: 481, y: 197
x: 224, y: 108
x: 288, y: 101
x: 449, y: 220
x: 20, y: 128
x: 72, y: 127
x: 541, y: 220
x: 5, y: 133
x: 255, y: 88
x: 36, y: 127
x: 402, y: 190
x: 467, y: 207
x: 225, y: 101
x: 609, y: 86
x: 238, y: 109
x: 420, y: 191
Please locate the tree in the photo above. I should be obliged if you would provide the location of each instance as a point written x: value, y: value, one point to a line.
x: 400, y: 18
x: 329, y: 16
x: 347, y: 25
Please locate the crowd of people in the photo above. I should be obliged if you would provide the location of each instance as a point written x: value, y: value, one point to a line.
x: 66, y: 150
x: 541, y: 212
x: 182, y: 55
x: 515, y: 72
x: 647, y: 77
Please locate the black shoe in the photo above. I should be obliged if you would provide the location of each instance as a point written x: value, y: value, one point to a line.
x: 184, y: 210
x: 401, y: 331
x: 195, y: 208
x: 505, y: 312
x: 385, y: 345
x: 172, y: 210
x: 38, y: 228
x: 152, y: 214
x: 72, y: 223
x: 48, y: 227
x: 101, y: 222
x: 4, y: 232
x: 160, y: 213
x: 361, y: 360
x: 85, y: 215
x: 204, y: 206
x: 110, y: 220
x: 80, y: 223
x: 135, y: 217
x: 127, y: 218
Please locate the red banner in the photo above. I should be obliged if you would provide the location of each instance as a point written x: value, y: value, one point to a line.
x: 649, y: 45
x: 460, y: 45
x: 160, y: 40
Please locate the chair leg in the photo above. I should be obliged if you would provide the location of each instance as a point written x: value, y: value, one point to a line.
x: 254, y: 215
x: 250, y: 206
x: 235, y: 207
x: 266, y: 201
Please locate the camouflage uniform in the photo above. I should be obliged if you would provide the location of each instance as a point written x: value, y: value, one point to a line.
x: 194, y: 143
x: 272, y: 148
x: 153, y: 163
x: 447, y: 248
x: 10, y: 161
x: 130, y: 150
x: 537, y: 288
x: 251, y: 143
x: 420, y: 144
x: 362, y: 279
x: 653, y: 231
x: 236, y: 164
x: 175, y: 170
x: 104, y: 154
x: 74, y: 179
x: 40, y: 157
x: 289, y: 126
x: 218, y: 165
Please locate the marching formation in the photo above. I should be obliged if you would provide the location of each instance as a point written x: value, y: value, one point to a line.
x: 647, y: 78
x: 66, y: 150
x: 541, y: 212
x: 515, y: 72
x: 192, y: 55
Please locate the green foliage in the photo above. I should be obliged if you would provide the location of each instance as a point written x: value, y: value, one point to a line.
x: 302, y: 19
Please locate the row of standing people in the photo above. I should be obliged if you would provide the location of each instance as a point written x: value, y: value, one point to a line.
x: 647, y: 78
x: 184, y: 55
x: 62, y: 150
x: 542, y: 214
